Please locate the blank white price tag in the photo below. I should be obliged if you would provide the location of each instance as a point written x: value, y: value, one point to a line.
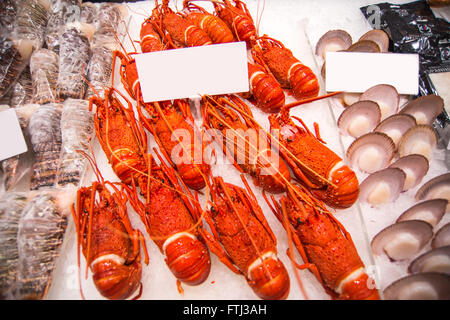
x: 358, y: 71
x: 12, y: 142
x: 190, y: 72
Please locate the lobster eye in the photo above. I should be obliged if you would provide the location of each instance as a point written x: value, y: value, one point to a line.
x: 213, y: 209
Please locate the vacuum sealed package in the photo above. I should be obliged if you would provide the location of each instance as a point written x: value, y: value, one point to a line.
x: 11, y: 207
x: 44, y: 66
x: 77, y: 128
x: 40, y: 235
x: 22, y: 90
x: 100, y: 68
x: 8, y: 12
x: 413, y: 28
x: 31, y: 21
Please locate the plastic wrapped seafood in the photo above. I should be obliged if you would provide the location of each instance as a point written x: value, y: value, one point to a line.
x: 15, y: 168
x: 74, y: 53
x: 14, y: 57
x: 22, y: 91
x: 45, y: 132
x: 77, y: 127
x: 8, y: 11
x: 100, y: 68
x: 31, y: 21
x: 44, y: 65
x: 40, y: 235
x: 109, y: 17
x: 88, y: 12
x: 11, y: 206
x: 63, y: 12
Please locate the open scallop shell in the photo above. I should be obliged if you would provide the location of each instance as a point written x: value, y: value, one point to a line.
x: 438, y: 187
x: 379, y: 37
x: 435, y: 260
x: 333, y: 40
x: 420, y: 139
x: 360, y: 118
x: 364, y: 46
x: 371, y: 152
x: 349, y: 98
x: 396, y: 126
x: 442, y: 237
x: 420, y: 286
x: 386, y: 96
x: 424, y: 109
x: 415, y: 166
x: 430, y: 211
x: 402, y: 240
x: 382, y: 186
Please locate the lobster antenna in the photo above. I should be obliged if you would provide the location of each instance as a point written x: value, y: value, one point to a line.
x: 75, y: 219
x: 259, y: 16
x: 300, y: 102
x: 128, y: 33
x: 145, y: 14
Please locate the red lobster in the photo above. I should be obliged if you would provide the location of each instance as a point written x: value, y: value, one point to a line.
x: 287, y: 69
x: 325, y: 246
x: 166, y: 123
x: 248, y: 156
x: 243, y: 240
x: 181, y: 31
x: 214, y: 27
x: 150, y: 37
x: 109, y: 243
x: 237, y: 18
x: 330, y: 179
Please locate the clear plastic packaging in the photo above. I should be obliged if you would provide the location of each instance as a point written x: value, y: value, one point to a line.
x: 41, y: 231
x: 77, y: 128
x: 63, y: 12
x: 45, y: 132
x: 73, y: 60
x: 8, y: 12
x: 100, y: 68
x: 88, y: 12
x: 17, y: 167
x: 31, y: 20
x: 44, y: 66
x: 109, y: 17
x: 22, y: 91
x: 11, y: 207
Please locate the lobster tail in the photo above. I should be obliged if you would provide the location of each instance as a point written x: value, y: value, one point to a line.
x: 115, y: 280
x: 269, y: 279
x: 359, y: 288
x: 269, y: 177
x: 125, y: 164
x: 347, y: 191
x: 150, y: 40
x: 303, y: 82
x: 191, y: 176
x: 266, y: 90
x: 188, y: 258
x: 196, y: 37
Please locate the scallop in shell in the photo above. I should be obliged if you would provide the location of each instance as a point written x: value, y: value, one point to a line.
x: 349, y: 98
x: 435, y: 260
x: 379, y: 37
x: 438, y: 187
x: 424, y: 109
x: 415, y: 166
x: 420, y: 139
x: 430, y: 211
x: 360, y: 118
x: 442, y: 237
x: 371, y: 152
x: 333, y: 40
x: 382, y: 187
x: 396, y: 126
x: 402, y: 240
x: 386, y: 96
x: 420, y: 286
x: 364, y: 46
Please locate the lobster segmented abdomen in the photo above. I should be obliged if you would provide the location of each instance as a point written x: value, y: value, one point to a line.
x: 303, y: 82
x: 215, y: 28
x: 150, y: 39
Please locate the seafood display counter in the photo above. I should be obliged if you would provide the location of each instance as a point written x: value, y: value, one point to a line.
x: 398, y: 226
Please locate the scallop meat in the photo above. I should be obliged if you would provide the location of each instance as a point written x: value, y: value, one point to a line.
x: 386, y: 96
x: 430, y: 211
x: 402, y: 240
x: 360, y: 118
x: 420, y: 139
x: 396, y: 126
x: 382, y: 187
x: 434, y: 260
x: 442, y: 237
x: 333, y: 40
x: 420, y: 286
x: 371, y: 152
x: 415, y: 166
x: 424, y: 109
x: 379, y: 37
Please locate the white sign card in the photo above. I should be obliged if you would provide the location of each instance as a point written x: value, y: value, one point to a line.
x: 190, y: 72
x: 358, y: 71
x: 12, y: 142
